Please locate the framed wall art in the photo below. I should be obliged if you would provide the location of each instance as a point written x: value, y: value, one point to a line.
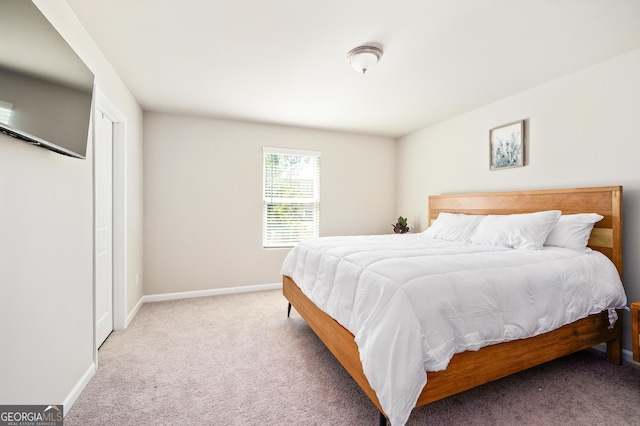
x: 506, y: 146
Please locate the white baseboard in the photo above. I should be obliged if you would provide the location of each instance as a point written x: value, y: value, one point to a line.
x: 78, y: 388
x: 627, y: 356
x: 133, y: 312
x: 212, y: 292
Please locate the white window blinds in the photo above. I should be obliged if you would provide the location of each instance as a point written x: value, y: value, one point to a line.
x: 291, y: 196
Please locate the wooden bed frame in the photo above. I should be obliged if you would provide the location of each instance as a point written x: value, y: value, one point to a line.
x: 474, y: 368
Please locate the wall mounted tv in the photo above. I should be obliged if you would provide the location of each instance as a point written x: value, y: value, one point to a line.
x: 46, y: 90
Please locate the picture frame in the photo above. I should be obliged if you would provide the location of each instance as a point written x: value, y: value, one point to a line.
x: 506, y: 146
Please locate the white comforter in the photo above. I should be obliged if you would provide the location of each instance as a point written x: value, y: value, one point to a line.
x: 413, y: 302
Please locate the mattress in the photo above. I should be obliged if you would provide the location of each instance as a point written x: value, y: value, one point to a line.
x: 412, y: 302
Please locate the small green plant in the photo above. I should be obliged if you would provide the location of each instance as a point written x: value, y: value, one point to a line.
x: 401, y: 226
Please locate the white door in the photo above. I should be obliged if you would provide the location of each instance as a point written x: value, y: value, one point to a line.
x: 103, y: 163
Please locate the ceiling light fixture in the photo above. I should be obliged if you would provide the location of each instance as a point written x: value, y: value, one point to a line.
x: 364, y: 57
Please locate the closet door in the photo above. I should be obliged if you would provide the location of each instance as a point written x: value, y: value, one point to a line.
x: 103, y: 170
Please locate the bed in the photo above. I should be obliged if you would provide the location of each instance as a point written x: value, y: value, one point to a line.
x: 472, y: 368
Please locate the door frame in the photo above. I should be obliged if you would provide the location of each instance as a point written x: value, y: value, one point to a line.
x: 119, y: 228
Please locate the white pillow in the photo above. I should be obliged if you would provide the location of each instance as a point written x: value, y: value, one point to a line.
x: 573, y: 231
x: 526, y: 231
x: 454, y: 227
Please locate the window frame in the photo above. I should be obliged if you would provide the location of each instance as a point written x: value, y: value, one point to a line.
x: 268, y: 240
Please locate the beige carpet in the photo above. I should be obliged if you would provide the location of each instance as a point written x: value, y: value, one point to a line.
x: 238, y: 360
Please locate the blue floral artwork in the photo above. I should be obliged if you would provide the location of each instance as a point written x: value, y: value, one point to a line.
x: 506, y: 146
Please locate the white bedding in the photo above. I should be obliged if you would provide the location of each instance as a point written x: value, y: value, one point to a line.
x: 412, y: 302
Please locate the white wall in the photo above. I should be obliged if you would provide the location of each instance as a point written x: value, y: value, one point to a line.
x: 582, y: 130
x: 203, y: 197
x: 46, y: 246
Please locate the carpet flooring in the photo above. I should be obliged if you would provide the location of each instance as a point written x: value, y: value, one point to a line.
x: 238, y: 360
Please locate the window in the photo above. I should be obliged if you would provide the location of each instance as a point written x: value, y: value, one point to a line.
x: 291, y: 196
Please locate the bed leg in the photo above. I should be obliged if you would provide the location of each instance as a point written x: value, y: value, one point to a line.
x: 383, y: 419
x: 288, y: 310
x: 614, y: 347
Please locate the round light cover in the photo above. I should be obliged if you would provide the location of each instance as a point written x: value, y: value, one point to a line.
x: 364, y: 57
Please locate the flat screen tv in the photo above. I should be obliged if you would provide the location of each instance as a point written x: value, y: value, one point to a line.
x: 46, y: 90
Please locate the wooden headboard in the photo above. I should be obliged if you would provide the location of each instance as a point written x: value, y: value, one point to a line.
x: 606, y: 237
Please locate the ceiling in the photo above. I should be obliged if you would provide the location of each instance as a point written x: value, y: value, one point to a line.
x: 283, y: 61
